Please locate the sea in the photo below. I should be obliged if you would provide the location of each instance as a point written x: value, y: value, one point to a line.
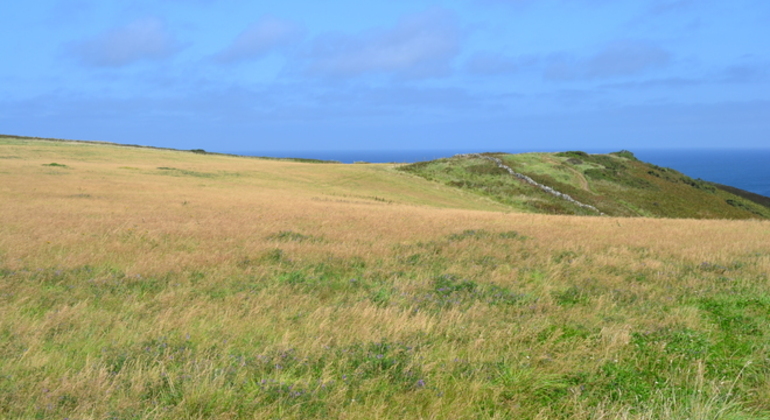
x: 745, y: 169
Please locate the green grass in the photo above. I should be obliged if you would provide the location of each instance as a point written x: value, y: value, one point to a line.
x: 618, y: 184
x: 482, y: 177
x: 550, y: 365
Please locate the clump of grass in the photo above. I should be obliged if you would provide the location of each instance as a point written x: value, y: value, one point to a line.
x: 291, y: 236
x: 483, y: 234
x: 573, y: 295
x: 449, y: 291
x: 470, y: 233
x: 183, y: 172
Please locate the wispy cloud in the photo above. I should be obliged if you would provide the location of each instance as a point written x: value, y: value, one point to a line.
x: 68, y: 12
x: 521, y: 3
x: 420, y: 46
x: 748, y: 72
x: 660, y: 7
x: 143, y: 39
x: 260, y: 38
x: 622, y: 58
x: 663, y: 83
x: 490, y: 63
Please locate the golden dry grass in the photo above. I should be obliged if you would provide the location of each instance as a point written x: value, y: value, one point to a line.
x: 112, y: 205
x: 186, y: 276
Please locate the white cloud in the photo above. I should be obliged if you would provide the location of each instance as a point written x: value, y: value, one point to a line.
x: 260, y: 38
x: 420, y: 45
x: 143, y: 39
x: 622, y: 58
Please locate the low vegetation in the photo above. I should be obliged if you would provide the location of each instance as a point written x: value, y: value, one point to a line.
x: 275, y: 289
x: 617, y: 184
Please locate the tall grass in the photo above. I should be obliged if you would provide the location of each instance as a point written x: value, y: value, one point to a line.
x: 131, y: 294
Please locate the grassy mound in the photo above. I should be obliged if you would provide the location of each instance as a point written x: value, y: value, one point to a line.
x: 617, y: 184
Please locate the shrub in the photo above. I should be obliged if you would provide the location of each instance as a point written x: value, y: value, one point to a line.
x: 625, y: 154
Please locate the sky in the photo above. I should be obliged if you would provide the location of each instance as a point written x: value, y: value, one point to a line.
x: 481, y: 75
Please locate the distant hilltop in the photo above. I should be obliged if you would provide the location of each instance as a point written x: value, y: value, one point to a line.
x: 575, y: 182
x: 569, y: 183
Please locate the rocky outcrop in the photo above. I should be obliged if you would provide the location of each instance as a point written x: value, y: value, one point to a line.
x: 531, y: 181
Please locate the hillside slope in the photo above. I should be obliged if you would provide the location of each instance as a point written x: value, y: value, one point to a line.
x: 138, y: 283
x: 615, y: 184
x: 65, y: 164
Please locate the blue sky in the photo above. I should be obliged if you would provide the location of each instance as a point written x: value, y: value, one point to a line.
x: 502, y: 75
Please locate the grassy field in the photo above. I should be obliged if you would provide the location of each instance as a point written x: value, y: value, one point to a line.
x: 156, y: 284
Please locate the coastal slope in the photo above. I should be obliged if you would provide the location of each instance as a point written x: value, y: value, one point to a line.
x: 578, y: 183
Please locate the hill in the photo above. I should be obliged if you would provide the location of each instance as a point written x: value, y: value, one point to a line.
x: 139, y: 283
x: 615, y: 184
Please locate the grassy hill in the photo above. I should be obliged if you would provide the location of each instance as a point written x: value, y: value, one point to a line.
x: 139, y: 283
x: 616, y: 184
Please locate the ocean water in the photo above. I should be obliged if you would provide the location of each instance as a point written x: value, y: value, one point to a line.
x: 745, y: 169
x: 371, y: 156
